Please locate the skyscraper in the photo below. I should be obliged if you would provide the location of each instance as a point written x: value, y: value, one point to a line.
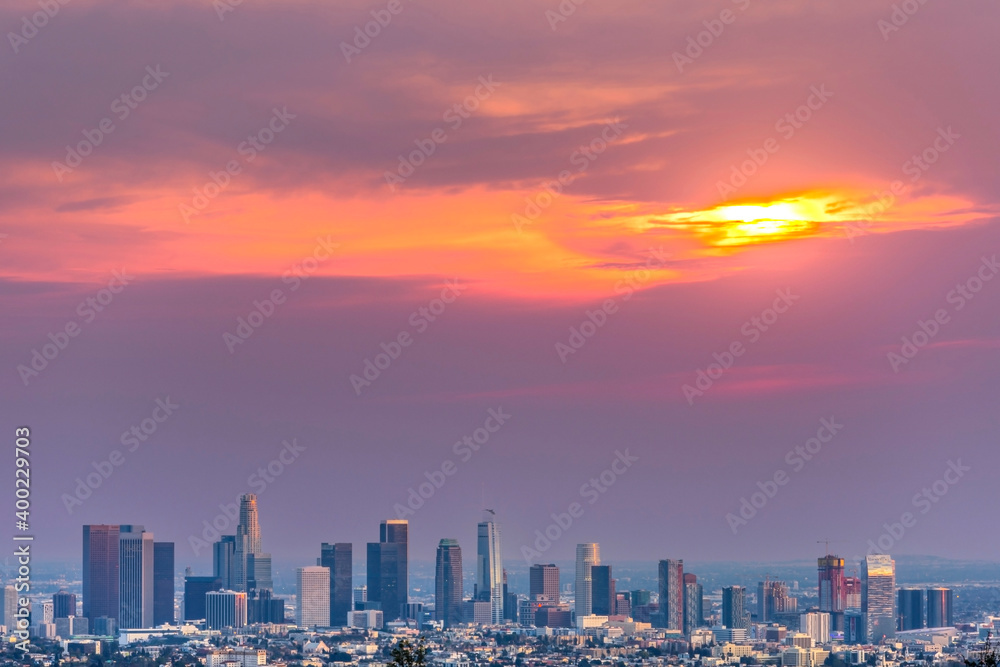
x: 247, y: 540
x: 9, y: 602
x: 602, y: 590
x: 225, y: 609
x: 223, y: 557
x: 388, y: 583
x: 734, y: 614
x: 587, y: 555
x: 910, y: 608
x: 259, y: 573
x: 672, y: 594
x: 694, y: 604
x: 852, y: 593
x: 448, y: 583
x: 489, y: 566
x: 878, y: 597
x: 100, y: 572
x: 543, y: 580
x: 338, y: 557
x: 313, y: 587
x: 195, y: 589
x: 63, y: 604
x: 832, y: 592
x: 773, y: 599
x: 163, y: 583
x: 816, y: 625
x: 135, y: 603
x: 939, y: 613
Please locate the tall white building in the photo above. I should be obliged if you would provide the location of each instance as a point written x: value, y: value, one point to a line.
x: 9, y: 602
x: 135, y: 577
x: 225, y: 609
x: 587, y: 555
x: 816, y: 625
x: 489, y: 567
x: 247, y: 540
x: 313, y: 587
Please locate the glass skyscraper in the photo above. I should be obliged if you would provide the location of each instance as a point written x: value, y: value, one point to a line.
x: 388, y: 582
x: 100, y: 572
x: 672, y: 594
x: 489, y: 567
x: 448, y: 583
x: 587, y: 555
x: 338, y: 557
x: 878, y: 597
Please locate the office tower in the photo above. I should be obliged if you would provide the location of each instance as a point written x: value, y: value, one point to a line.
x: 70, y: 626
x: 832, y: 593
x: 9, y: 602
x: 672, y: 594
x: 602, y: 591
x: 640, y: 598
x: 852, y: 593
x: 734, y: 614
x: 42, y: 612
x: 587, y: 555
x: 878, y: 597
x: 259, y: 573
x: 939, y: 613
x: 543, y: 580
x: 387, y: 568
x: 225, y: 609
x: 773, y: 599
x: 101, y: 569
x: 622, y: 605
x: 694, y: 604
x: 105, y: 626
x: 263, y: 607
x: 135, y: 604
x: 63, y: 604
x: 509, y: 601
x: 448, y: 583
x: 339, y: 558
x: 163, y: 583
x: 223, y: 557
x: 195, y: 589
x: 247, y: 540
x: 816, y: 625
x: 489, y: 566
x: 910, y: 609
x: 313, y: 587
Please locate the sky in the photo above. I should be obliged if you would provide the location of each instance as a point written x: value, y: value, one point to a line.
x: 495, y: 249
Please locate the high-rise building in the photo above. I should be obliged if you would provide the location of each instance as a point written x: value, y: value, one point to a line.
x: 448, y: 583
x: 489, y: 566
x: 832, y: 593
x: 773, y: 599
x: 63, y: 604
x: 339, y: 558
x: 9, y: 602
x: 509, y: 601
x: 259, y: 573
x: 101, y: 570
x: 640, y: 598
x: 602, y: 591
x: 313, y: 587
x: 734, y: 614
x: 910, y: 609
x: 694, y: 604
x: 878, y: 597
x: 852, y: 593
x: 939, y: 612
x: 388, y: 582
x: 672, y: 594
x: 225, y: 609
x: 135, y: 577
x: 247, y: 540
x: 587, y: 555
x: 544, y: 580
x: 263, y: 607
x: 195, y: 589
x: 816, y: 625
x: 163, y: 583
x: 223, y: 558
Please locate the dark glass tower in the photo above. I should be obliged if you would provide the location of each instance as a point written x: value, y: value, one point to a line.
x: 388, y: 583
x: 100, y: 571
x: 448, y: 583
x: 543, y: 580
x: 339, y: 558
x: 602, y: 591
x: 195, y: 589
x: 910, y: 608
x: 939, y: 614
x: 63, y: 604
x: 163, y: 583
x: 734, y: 613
